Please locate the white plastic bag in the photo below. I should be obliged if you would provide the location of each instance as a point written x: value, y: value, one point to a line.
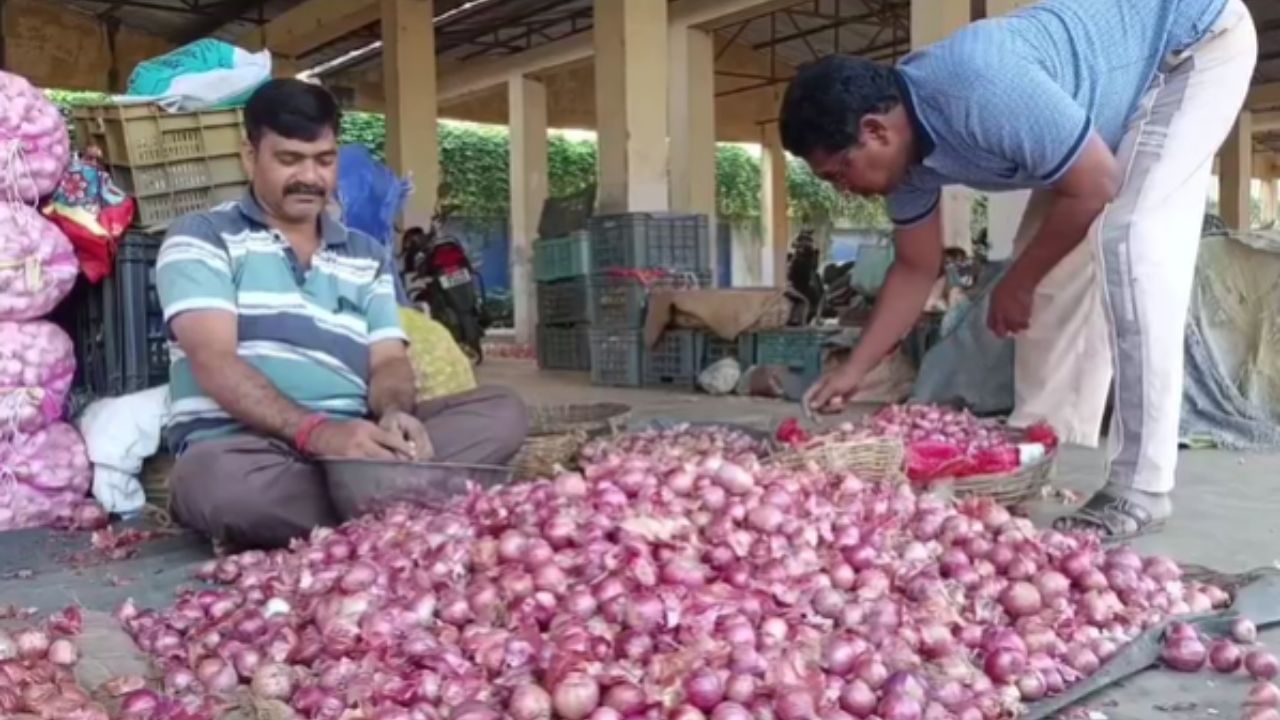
x: 720, y: 377
x: 120, y: 434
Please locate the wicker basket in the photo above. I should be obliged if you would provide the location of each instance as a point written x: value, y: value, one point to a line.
x: 1011, y: 488
x: 877, y: 459
x: 557, y: 432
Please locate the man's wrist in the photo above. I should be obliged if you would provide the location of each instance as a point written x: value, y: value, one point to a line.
x: 305, y: 428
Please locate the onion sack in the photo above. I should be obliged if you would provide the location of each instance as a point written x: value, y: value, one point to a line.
x: 37, y: 362
x: 34, y: 146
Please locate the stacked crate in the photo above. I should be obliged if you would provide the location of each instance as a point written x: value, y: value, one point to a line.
x: 560, y: 267
x: 630, y: 256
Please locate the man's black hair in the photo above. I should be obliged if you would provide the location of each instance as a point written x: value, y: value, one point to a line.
x: 292, y: 109
x: 825, y: 102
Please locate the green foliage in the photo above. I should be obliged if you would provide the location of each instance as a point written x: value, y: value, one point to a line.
x: 475, y: 163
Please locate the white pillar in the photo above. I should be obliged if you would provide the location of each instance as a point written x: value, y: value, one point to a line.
x: 773, y: 202
x: 1004, y: 215
x: 1236, y: 176
x: 409, y: 80
x: 527, y: 108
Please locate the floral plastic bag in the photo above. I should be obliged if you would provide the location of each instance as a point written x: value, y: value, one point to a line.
x: 92, y: 212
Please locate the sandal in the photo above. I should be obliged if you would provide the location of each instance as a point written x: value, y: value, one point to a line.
x: 1113, y: 518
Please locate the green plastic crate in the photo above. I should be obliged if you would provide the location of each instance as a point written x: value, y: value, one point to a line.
x: 561, y: 258
x: 674, y: 361
x: 797, y: 349
x: 712, y: 349
x: 563, y: 347
x: 564, y: 301
x: 651, y: 240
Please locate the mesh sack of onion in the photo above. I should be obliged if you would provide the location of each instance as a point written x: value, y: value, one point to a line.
x: 44, y: 477
x: 34, y: 146
x: 38, y: 265
x: 674, y: 577
x: 37, y: 364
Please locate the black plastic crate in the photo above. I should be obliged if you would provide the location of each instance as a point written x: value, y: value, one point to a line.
x: 616, y: 356
x: 563, y: 347
x: 674, y: 361
x: 651, y: 240
x: 564, y: 301
x: 622, y: 300
x: 133, y: 321
x: 797, y: 349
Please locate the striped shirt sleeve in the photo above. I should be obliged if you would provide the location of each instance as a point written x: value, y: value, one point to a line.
x: 193, y: 270
x: 382, y: 312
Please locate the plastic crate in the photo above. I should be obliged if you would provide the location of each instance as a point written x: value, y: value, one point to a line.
x: 622, y: 301
x: 171, y: 163
x: 136, y: 347
x: 712, y: 349
x: 561, y: 258
x: 797, y: 349
x: 674, y: 361
x: 564, y: 301
x: 563, y: 347
x: 651, y: 240
x: 615, y: 357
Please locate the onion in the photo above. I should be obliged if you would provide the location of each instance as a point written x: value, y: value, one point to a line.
x: 1263, y: 694
x: 139, y: 705
x: 529, y: 702
x: 900, y: 707
x: 1020, y: 599
x: 704, y: 690
x: 576, y: 696
x: 731, y: 711
x: 1184, y: 654
x: 216, y: 675
x: 31, y: 643
x: 1244, y: 631
x: 63, y: 652
x: 1260, y: 665
x: 858, y: 699
x: 1224, y: 656
x: 794, y: 703
x: 272, y: 681
x: 1004, y: 665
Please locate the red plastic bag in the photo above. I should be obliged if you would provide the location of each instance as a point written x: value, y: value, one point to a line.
x: 91, y: 211
x: 929, y: 460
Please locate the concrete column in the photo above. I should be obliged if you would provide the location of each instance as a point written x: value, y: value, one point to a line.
x: 409, y: 79
x: 630, y: 39
x: 930, y: 22
x: 527, y: 105
x: 1267, y: 198
x: 692, y: 121
x: 773, y: 202
x: 1236, y: 174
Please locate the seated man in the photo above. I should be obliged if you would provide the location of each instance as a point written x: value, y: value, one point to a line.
x: 287, y: 345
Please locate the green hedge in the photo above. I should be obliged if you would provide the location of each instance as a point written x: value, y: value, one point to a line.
x: 474, y: 159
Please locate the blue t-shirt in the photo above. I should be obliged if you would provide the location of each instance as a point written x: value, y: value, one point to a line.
x: 1008, y: 102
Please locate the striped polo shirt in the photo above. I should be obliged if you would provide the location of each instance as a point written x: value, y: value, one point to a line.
x: 1008, y: 103
x: 307, y: 329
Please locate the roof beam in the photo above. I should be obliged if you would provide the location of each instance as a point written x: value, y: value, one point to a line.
x: 312, y: 24
x: 1264, y: 96
x: 228, y: 11
x: 1266, y: 122
x: 459, y: 80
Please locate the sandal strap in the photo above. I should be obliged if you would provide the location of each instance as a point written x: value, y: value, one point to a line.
x: 1112, y: 513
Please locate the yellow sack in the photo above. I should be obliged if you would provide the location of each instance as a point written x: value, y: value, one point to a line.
x: 439, y: 364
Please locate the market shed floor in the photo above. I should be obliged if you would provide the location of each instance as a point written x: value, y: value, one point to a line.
x: 1227, y: 509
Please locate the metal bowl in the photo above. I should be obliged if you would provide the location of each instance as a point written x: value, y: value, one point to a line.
x: 357, y: 487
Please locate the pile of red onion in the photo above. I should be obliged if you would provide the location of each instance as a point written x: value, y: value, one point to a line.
x: 36, y: 670
x: 674, y: 578
x: 1186, y: 650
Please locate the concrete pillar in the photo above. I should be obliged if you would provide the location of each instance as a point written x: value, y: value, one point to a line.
x: 773, y: 202
x: 692, y: 121
x: 1267, y: 198
x: 630, y: 39
x: 409, y: 80
x: 930, y: 22
x: 527, y: 105
x: 1237, y: 174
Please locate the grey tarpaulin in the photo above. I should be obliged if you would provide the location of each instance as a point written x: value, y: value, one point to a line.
x: 1231, y: 396
x: 969, y: 367
x: 1256, y: 596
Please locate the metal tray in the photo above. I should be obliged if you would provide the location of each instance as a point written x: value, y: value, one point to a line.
x: 357, y: 487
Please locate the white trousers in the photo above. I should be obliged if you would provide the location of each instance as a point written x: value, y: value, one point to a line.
x: 1116, y: 308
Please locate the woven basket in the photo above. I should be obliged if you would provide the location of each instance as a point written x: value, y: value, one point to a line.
x: 1021, y: 485
x: 557, y: 432
x: 877, y: 459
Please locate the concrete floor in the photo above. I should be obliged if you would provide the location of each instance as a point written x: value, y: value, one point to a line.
x: 1225, y: 510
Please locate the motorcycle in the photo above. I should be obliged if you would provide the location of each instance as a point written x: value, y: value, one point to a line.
x: 440, y: 274
x: 803, y: 278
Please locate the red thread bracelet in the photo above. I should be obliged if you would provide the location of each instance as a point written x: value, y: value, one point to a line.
x: 302, y: 436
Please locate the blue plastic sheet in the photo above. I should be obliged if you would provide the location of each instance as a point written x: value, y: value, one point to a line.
x: 371, y: 197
